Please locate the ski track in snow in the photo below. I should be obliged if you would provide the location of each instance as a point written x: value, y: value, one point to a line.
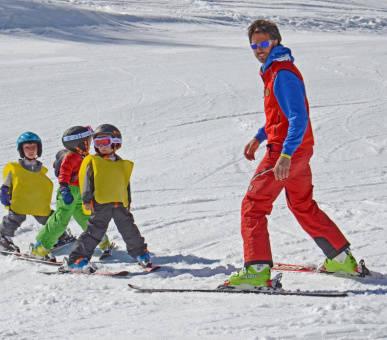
x: 178, y: 78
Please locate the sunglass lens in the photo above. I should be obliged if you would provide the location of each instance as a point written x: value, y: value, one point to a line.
x: 265, y: 44
x: 254, y: 46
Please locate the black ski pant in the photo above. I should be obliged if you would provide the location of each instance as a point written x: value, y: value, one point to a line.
x: 13, y: 220
x: 97, y: 227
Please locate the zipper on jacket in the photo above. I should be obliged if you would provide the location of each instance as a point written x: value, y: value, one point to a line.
x: 279, y: 120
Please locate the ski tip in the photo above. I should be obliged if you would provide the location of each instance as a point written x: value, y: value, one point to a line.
x: 134, y: 287
x: 151, y: 268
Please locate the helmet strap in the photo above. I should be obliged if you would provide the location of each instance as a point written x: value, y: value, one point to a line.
x: 79, y: 150
x: 31, y: 159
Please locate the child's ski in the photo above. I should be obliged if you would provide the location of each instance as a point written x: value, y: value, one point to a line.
x: 149, y: 267
x: 98, y: 273
x: 25, y: 257
x: 217, y: 290
x: 59, y: 246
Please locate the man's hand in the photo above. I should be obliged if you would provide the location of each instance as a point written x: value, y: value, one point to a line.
x: 281, y: 169
x: 251, y: 148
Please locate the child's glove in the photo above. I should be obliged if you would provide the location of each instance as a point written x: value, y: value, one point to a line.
x: 66, y: 195
x: 4, y: 196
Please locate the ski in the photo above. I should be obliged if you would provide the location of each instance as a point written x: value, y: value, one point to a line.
x: 234, y: 291
x: 97, y: 273
x: 149, y: 267
x: 108, y: 252
x: 68, y: 239
x: 25, y: 257
x: 362, y: 270
x: 57, y: 247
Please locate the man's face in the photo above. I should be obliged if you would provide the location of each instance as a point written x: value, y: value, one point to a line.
x: 262, y: 53
x: 30, y: 150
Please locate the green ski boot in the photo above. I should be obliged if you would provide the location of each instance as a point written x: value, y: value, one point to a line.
x: 341, y: 264
x: 105, y: 243
x: 251, y: 278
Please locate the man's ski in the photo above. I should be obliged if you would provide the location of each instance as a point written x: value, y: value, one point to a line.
x: 234, y: 291
x: 98, y: 273
x: 362, y: 270
x: 25, y: 257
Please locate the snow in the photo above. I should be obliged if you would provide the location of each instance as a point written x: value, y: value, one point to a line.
x: 179, y: 79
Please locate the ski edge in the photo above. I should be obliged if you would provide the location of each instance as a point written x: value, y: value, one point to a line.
x: 121, y: 273
x: 283, y: 292
x: 23, y: 256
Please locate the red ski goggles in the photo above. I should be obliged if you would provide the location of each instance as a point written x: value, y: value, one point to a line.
x: 30, y: 147
x: 105, y: 141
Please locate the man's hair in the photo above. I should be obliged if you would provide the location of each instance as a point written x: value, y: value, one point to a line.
x: 267, y: 27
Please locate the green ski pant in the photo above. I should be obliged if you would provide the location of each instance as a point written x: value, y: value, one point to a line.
x: 59, y: 220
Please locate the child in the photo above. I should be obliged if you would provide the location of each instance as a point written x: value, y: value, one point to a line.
x: 26, y: 190
x: 77, y: 141
x: 105, y: 188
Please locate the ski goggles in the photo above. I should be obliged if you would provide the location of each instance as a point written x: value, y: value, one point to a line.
x: 30, y: 147
x: 263, y: 44
x: 105, y: 141
x: 85, y: 134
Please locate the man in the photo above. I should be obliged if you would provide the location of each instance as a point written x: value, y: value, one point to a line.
x: 285, y: 166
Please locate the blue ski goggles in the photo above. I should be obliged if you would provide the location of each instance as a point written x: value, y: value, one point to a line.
x: 263, y: 44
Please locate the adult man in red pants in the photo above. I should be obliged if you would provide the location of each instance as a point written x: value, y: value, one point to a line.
x: 285, y: 166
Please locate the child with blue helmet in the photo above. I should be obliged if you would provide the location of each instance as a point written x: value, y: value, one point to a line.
x: 26, y: 190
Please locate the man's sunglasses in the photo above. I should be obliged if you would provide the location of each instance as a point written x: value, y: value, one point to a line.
x: 263, y: 44
x: 105, y: 141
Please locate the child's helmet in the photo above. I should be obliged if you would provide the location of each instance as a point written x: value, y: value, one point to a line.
x: 111, y: 130
x: 28, y: 137
x: 77, y: 139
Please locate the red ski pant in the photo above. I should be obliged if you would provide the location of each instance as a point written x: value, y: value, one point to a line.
x: 258, y: 203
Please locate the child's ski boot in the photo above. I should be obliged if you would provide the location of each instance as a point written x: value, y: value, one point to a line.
x: 144, y: 260
x: 80, y: 265
x: 7, y: 244
x: 37, y: 251
x: 106, y: 247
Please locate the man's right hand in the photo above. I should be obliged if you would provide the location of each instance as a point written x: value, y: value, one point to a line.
x: 250, y: 149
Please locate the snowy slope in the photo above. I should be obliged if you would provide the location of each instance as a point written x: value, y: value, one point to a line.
x: 178, y: 78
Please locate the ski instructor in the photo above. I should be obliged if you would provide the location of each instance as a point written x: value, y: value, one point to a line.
x: 289, y: 148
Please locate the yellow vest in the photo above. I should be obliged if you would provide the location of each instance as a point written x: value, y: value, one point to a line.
x: 111, y: 179
x: 31, y: 191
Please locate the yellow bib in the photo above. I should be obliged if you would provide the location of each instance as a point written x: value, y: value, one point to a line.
x: 111, y: 179
x: 31, y: 191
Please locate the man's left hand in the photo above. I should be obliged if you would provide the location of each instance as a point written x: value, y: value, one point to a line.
x: 281, y: 169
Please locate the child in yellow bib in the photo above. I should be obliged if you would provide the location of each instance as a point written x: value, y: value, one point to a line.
x: 26, y: 190
x: 104, y: 181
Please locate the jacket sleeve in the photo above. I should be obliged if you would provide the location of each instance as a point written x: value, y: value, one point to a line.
x: 66, y: 170
x: 129, y: 194
x: 261, y: 134
x: 290, y: 93
x: 8, y: 180
x: 88, y: 184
